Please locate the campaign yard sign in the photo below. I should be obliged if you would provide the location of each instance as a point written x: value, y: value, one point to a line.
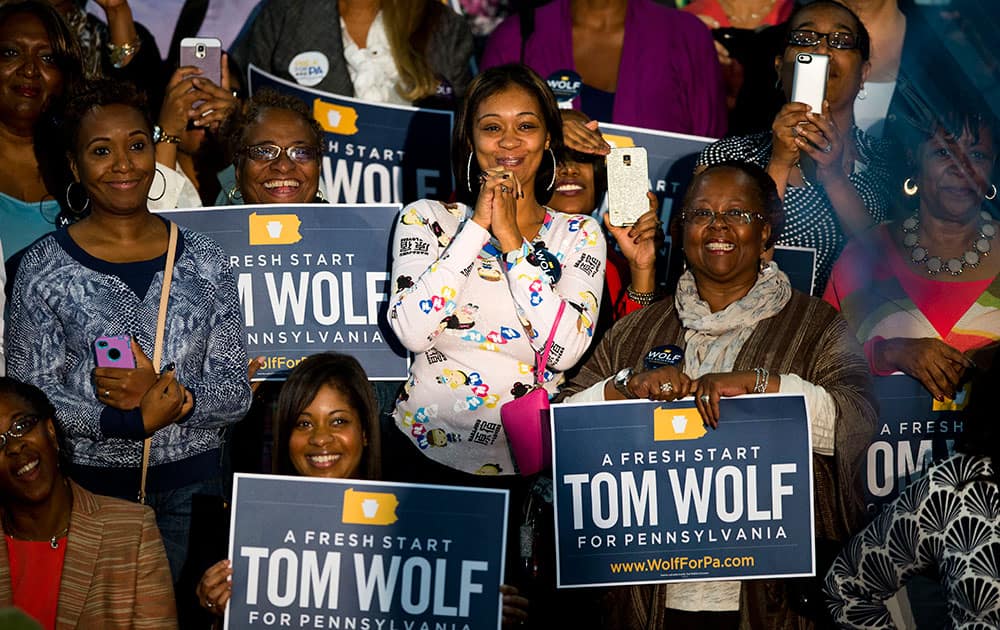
x: 343, y: 553
x: 375, y: 152
x: 644, y: 492
x: 311, y: 278
x: 913, y: 431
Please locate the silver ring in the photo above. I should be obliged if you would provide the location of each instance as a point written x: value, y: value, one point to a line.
x: 107, y: 393
x: 705, y: 398
x: 667, y: 387
x: 827, y: 148
x: 504, y: 189
x: 210, y: 604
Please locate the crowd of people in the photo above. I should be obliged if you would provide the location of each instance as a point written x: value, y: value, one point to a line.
x: 518, y: 279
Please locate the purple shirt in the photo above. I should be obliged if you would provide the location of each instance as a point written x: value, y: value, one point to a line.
x: 669, y: 78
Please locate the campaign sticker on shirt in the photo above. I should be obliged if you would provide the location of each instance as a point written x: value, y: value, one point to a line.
x: 309, y: 68
x: 662, y: 356
x: 547, y: 261
x: 565, y: 85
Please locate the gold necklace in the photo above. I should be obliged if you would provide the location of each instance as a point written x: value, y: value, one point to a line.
x: 53, y: 540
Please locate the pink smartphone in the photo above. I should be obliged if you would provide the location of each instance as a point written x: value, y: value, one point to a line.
x: 114, y: 352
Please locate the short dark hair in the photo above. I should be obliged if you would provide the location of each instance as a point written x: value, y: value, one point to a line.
x: 770, y: 201
x: 65, y: 46
x: 864, y: 39
x: 485, y: 85
x: 234, y: 128
x: 99, y: 93
x: 345, y: 374
x: 38, y: 404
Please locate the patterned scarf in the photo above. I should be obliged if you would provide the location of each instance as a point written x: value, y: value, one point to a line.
x: 714, y: 340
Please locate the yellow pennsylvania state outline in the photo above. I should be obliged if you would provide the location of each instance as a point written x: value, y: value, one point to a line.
x: 339, y: 119
x: 958, y: 403
x: 619, y: 142
x: 274, y: 229
x: 369, y: 508
x: 677, y: 424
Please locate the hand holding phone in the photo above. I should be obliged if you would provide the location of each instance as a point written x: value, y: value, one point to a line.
x: 809, y: 80
x: 628, y: 183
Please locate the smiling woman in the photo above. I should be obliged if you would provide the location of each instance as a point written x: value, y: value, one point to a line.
x: 103, y: 276
x: 275, y: 145
x: 71, y: 558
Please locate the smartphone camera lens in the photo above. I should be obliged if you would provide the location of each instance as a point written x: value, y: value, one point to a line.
x: 102, y: 344
x: 199, y: 51
x: 627, y: 159
x: 114, y: 354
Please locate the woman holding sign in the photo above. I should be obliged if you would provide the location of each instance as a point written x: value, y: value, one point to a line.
x: 84, y: 317
x: 737, y: 327
x: 921, y: 293
x: 481, y: 286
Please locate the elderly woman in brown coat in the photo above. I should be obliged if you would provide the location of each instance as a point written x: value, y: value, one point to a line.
x: 743, y: 330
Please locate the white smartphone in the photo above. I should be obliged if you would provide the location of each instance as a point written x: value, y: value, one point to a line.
x: 809, y: 80
x: 628, y: 182
x: 204, y: 53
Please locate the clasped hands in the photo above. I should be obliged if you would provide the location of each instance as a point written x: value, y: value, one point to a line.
x: 496, y: 207
x: 160, y: 399
x: 670, y: 383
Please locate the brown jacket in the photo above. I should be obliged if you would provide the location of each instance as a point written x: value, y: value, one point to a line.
x: 807, y: 338
x: 115, y: 574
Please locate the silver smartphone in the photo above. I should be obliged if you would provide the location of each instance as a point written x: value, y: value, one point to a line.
x: 809, y: 80
x: 204, y: 53
x: 628, y: 182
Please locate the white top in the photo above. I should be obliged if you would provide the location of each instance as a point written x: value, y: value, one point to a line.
x: 870, y: 111
x: 372, y: 68
x: 178, y: 190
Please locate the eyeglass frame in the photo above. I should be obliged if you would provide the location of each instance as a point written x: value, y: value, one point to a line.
x: 286, y: 150
x: 820, y: 37
x: 727, y: 217
x: 12, y: 433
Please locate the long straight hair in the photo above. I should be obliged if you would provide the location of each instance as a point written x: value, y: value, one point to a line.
x: 408, y: 27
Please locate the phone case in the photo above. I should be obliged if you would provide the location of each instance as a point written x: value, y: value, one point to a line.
x: 114, y: 352
x: 204, y: 53
x: 809, y: 80
x: 628, y: 182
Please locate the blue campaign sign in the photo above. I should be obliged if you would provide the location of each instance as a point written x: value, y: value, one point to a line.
x: 671, y: 158
x: 645, y: 493
x: 913, y: 431
x: 312, y: 278
x: 374, y: 152
x: 343, y: 553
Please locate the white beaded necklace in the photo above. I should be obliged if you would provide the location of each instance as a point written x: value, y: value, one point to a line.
x: 981, y: 247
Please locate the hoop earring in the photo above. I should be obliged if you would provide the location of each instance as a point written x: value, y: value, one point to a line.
x: 909, y: 187
x: 162, y: 192
x: 862, y: 93
x: 234, y: 195
x: 321, y: 195
x: 555, y: 166
x: 69, y: 203
x: 993, y: 192
x: 468, y: 172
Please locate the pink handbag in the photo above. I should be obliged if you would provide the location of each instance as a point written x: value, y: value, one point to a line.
x: 526, y: 419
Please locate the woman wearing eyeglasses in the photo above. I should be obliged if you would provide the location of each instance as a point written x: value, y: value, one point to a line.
x: 103, y: 276
x: 275, y: 145
x: 741, y: 329
x: 831, y: 176
x: 69, y: 558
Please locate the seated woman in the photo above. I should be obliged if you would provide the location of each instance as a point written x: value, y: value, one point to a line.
x: 103, y: 276
x: 41, y: 58
x: 830, y: 175
x: 921, y: 294
x: 73, y: 559
x: 326, y: 407
x: 678, y: 88
x: 275, y: 145
x: 386, y: 51
x: 742, y: 329
x: 944, y: 524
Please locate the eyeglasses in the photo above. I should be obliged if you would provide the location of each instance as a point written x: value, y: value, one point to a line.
x: 271, y: 152
x: 838, y: 39
x: 732, y: 218
x: 21, y: 427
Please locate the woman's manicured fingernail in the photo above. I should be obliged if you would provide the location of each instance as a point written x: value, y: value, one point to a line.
x: 170, y: 367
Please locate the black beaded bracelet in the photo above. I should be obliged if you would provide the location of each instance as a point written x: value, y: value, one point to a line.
x: 642, y: 298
